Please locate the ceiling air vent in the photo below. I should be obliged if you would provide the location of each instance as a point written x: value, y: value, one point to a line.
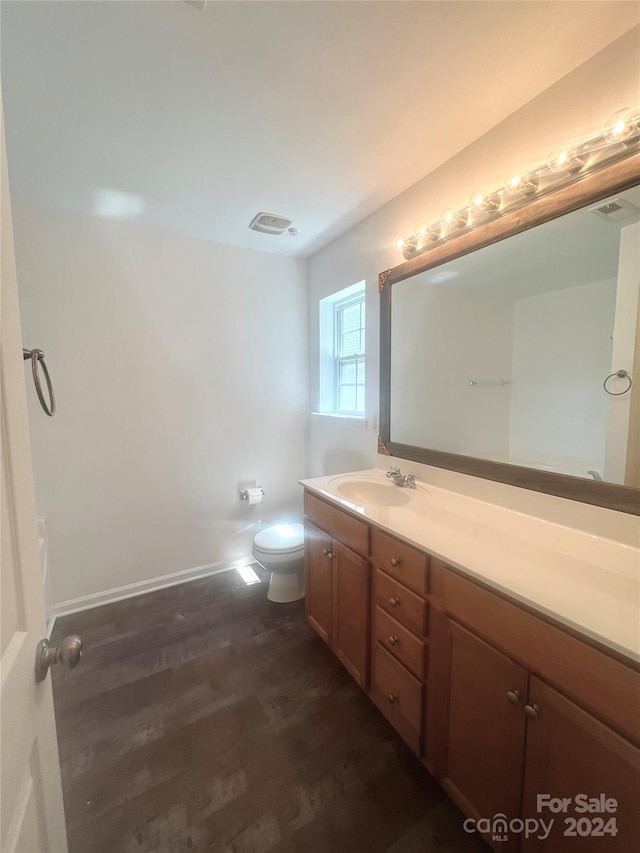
x: 615, y: 210
x: 270, y: 223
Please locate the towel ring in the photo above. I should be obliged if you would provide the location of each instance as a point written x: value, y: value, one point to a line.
x: 37, y: 357
x: 621, y: 374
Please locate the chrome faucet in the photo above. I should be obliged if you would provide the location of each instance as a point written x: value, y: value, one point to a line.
x: 595, y: 475
x: 405, y: 481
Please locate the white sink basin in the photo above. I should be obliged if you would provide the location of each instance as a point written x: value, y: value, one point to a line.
x: 373, y: 492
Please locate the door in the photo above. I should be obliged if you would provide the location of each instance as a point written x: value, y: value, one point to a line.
x: 32, y: 816
x: 351, y: 611
x: 480, y: 729
x: 319, y: 580
x: 574, y: 758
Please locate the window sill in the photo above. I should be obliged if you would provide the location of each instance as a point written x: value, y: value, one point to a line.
x: 332, y: 421
x: 339, y: 416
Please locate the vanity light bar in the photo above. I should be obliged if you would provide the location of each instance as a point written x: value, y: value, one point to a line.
x: 563, y: 166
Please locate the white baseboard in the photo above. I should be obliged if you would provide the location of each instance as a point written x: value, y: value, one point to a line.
x: 119, y: 593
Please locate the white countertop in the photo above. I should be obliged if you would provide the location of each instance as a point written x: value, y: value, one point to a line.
x: 587, y: 582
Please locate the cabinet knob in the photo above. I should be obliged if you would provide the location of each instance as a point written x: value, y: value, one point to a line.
x: 393, y: 641
x: 394, y: 601
x: 330, y: 555
x: 393, y: 699
x: 395, y: 561
x: 513, y: 696
x: 326, y: 552
x: 531, y: 711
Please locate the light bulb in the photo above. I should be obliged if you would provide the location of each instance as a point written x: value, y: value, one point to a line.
x: 401, y: 243
x: 452, y: 218
x: 565, y: 160
x: 623, y: 126
x: 482, y: 201
x: 411, y: 245
x: 520, y: 181
x: 435, y: 231
x: 421, y: 230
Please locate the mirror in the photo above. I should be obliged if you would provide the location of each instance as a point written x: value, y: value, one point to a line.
x: 516, y: 361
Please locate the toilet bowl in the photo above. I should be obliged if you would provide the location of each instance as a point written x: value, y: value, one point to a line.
x: 280, y: 550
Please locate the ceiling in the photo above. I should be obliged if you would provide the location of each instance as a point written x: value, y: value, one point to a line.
x: 194, y: 121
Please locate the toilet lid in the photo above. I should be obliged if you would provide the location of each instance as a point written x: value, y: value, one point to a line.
x: 280, y: 538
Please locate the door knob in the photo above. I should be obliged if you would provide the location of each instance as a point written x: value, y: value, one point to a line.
x: 68, y: 653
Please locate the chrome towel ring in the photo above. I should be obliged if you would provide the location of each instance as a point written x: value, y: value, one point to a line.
x: 37, y: 357
x: 620, y: 374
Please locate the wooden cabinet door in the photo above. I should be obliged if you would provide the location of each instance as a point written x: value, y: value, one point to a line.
x: 480, y: 727
x: 319, y: 580
x: 351, y: 608
x: 570, y: 753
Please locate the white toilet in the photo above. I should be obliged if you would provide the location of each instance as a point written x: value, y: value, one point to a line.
x: 280, y: 550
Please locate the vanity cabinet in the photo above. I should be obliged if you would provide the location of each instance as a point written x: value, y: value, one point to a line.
x: 337, y: 599
x: 500, y: 703
x: 502, y: 735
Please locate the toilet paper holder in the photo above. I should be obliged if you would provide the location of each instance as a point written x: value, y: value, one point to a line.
x: 245, y: 493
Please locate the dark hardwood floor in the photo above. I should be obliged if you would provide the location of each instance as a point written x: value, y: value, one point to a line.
x: 205, y: 718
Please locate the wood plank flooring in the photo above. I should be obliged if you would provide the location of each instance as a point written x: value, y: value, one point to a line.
x: 205, y: 718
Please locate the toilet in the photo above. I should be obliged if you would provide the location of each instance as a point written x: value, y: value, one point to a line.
x: 280, y: 550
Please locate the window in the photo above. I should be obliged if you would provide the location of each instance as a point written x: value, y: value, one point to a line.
x: 342, y: 347
x: 349, y: 356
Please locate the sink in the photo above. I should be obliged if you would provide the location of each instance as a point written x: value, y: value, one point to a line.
x: 371, y: 492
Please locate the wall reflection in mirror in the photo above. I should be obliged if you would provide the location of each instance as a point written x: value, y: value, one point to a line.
x: 502, y: 353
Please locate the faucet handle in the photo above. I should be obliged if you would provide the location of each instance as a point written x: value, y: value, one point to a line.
x: 411, y: 479
x: 392, y: 471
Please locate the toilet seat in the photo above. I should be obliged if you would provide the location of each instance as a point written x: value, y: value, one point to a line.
x: 280, y: 539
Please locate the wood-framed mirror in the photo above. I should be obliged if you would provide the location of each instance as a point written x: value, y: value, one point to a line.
x: 511, y: 352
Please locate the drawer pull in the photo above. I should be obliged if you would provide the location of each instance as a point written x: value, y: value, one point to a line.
x: 513, y: 696
x: 395, y: 561
x: 531, y: 711
x: 394, y: 601
x: 393, y: 699
x: 393, y: 641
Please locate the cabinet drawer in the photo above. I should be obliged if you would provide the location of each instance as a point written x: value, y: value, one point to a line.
x: 399, y: 560
x: 398, y: 695
x: 404, y: 605
x: 351, y: 532
x: 402, y: 644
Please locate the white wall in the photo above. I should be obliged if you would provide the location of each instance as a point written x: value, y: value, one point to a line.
x: 561, y: 355
x: 579, y: 103
x: 181, y: 370
x: 449, y: 337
